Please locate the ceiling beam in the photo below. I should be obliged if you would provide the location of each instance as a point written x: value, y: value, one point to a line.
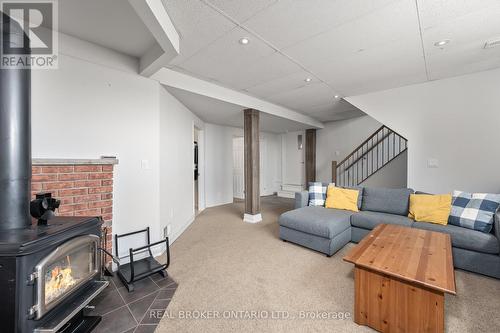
x: 154, y: 15
x: 182, y: 81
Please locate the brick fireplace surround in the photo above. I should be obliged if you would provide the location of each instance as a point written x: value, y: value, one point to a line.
x: 84, y: 186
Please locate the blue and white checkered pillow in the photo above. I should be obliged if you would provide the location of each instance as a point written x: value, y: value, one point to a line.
x: 317, y: 194
x: 474, y: 210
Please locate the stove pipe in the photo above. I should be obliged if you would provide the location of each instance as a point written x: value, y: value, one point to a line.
x: 15, y: 135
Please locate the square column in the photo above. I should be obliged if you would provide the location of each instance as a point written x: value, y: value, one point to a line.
x: 310, y: 156
x: 252, y: 166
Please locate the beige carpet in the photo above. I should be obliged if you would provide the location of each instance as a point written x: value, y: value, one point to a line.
x: 223, y: 264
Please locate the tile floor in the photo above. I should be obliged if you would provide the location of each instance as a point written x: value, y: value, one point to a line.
x: 139, y: 311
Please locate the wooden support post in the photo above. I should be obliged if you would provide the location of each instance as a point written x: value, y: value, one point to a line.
x: 334, y: 172
x: 310, y: 155
x: 252, y: 166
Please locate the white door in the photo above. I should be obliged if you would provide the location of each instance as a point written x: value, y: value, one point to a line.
x: 238, y: 168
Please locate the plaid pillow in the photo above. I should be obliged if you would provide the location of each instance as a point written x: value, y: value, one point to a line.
x: 317, y: 194
x: 474, y: 210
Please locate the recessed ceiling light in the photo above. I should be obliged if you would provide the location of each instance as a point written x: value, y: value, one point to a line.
x: 442, y: 42
x: 336, y: 96
x: 244, y: 41
x: 308, y: 79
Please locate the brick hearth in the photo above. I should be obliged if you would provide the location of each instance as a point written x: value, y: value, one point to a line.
x: 85, y: 187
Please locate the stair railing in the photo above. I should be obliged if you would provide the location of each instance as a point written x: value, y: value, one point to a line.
x: 373, y: 154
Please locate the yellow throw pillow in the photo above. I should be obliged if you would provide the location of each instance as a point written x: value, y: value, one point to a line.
x: 342, y: 198
x: 430, y: 208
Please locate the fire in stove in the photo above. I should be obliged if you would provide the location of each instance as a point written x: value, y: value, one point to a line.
x: 58, y: 280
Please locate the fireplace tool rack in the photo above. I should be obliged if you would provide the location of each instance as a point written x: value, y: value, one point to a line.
x: 137, y: 269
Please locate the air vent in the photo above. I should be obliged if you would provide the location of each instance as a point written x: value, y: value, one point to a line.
x: 492, y: 43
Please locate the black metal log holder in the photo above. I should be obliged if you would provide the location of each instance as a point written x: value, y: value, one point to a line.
x: 136, y: 270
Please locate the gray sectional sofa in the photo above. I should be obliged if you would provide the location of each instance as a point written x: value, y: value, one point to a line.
x: 328, y: 230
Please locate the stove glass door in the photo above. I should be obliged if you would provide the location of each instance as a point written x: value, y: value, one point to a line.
x: 71, y: 265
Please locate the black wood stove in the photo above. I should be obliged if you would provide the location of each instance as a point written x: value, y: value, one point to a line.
x: 48, y: 272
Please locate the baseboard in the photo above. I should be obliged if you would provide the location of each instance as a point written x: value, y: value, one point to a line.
x: 249, y: 218
x: 176, y: 235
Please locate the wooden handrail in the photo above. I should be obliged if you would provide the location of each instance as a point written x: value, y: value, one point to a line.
x: 334, y: 172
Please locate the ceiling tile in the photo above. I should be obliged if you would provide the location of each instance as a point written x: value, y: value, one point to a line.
x: 395, y: 22
x: 282, y: 84
x: 290, y: 21
x: 305, y: 97
x: 197, y: 24
x: 437, y: 12
x: 326, y: 116
x: 460, y: 61
x: 465, y: 53
x: 241, y: 10
x: 334, y: 106
x: 239, y: 66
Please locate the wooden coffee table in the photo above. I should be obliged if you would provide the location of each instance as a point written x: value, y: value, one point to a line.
x: 401, y: 275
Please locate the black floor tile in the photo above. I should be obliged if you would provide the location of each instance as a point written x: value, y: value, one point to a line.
x: 141, y: 288
x: 166, y: 293
x: 160, y: 304
x: 145, y: 329
x: 140, y: 307
x: 153, y: 317
x: 117, y: 321
x: 106, y: 302
x: 163, y: 282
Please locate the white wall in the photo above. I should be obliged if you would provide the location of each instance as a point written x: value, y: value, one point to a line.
x: 176, y: 164
x: 96, y: 104
x: 455, y: 121
x: 340, y: 137
x: 219, y: 163
x: 392, y: 175
x: 85, y: 110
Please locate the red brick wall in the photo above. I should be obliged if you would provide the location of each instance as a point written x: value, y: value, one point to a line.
x: 84, y: 190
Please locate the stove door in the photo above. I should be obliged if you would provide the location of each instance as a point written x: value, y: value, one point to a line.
x: 68, y: 267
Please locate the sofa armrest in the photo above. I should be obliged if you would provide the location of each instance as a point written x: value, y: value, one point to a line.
x: 301, y: 199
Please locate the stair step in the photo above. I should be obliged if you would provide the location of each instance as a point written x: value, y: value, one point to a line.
x: 292, y: 187
x: 286, y: 194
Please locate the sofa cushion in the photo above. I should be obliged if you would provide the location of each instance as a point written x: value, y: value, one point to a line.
x: 474, y: 211
x: 465, y: 238
x: 360, y: 196
x: 317, y: 221
x: 386, y: 200
x: 369, y: 220
x: 317, y: 194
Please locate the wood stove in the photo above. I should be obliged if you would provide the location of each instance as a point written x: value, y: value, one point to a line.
x: 48, y: 275
x: 48, y: 272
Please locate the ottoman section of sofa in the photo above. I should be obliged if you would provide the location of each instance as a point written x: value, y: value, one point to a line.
x: 321, y: 229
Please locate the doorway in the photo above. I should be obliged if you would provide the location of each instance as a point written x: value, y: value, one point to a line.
x: 198, y: 190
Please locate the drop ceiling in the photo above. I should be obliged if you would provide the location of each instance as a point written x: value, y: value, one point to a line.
x: 347, y: 47
x: 222, y: 113
x: 109, y: 23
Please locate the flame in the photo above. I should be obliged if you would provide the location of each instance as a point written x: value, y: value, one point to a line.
x: 60, y: 280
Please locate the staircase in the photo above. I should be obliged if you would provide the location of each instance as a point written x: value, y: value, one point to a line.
x: 372, y: 155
